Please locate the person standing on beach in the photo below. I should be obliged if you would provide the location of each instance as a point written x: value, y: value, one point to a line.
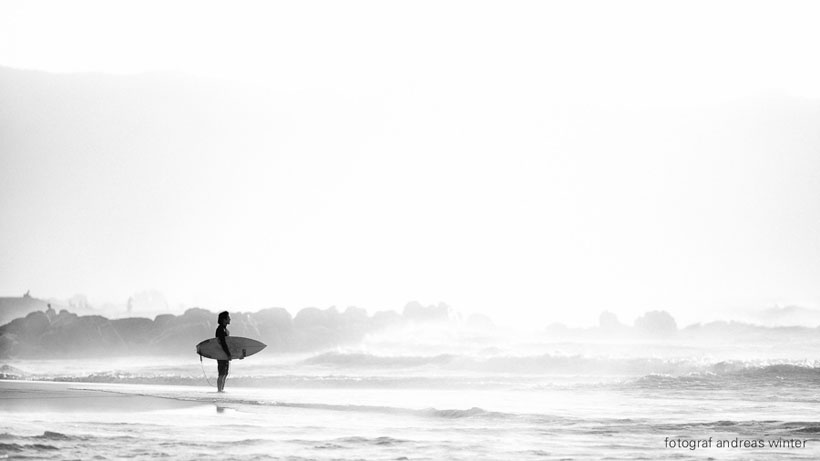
x: 222, y: 366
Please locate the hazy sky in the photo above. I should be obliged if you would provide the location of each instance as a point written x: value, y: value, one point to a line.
x: 546, y: 160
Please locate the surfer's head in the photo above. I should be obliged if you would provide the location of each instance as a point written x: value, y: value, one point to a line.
x: 224, y: 317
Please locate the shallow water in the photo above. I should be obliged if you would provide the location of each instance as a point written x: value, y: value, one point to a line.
x: 354, y: 405
x: 592, y: 423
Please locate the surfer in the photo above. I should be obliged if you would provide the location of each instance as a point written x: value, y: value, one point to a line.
x: 222, y: 366
x: 223, y: 349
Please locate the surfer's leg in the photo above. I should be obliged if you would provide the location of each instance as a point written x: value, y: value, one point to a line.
x: 222, y: 368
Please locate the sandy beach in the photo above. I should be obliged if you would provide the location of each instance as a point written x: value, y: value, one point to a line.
x: 39, y: 396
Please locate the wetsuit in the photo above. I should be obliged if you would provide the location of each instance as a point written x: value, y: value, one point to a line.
x: 223, y: 365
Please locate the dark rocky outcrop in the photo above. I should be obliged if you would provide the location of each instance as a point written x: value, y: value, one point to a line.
x: 47, y: 334
x: 16, y: 307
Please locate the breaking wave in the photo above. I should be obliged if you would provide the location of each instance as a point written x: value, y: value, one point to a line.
x: 547, y: 364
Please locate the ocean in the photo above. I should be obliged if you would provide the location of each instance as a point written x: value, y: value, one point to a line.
x: 540, y: 402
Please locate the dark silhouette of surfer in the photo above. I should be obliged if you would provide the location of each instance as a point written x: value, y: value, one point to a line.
x: 222, y: 366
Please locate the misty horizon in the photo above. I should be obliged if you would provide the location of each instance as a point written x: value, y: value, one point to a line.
x: 152, y: 303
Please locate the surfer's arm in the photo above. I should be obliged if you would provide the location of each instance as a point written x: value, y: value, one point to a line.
x: 224, y: 345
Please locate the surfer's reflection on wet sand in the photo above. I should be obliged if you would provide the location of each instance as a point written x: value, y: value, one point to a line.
x: 220, y: 409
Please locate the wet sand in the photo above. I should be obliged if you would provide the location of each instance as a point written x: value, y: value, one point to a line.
x: 39, y: 396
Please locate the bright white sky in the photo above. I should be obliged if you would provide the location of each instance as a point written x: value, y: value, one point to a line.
x: 453, y: 188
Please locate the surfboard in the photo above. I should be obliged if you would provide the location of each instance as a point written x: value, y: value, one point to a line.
x: 239, y: 347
